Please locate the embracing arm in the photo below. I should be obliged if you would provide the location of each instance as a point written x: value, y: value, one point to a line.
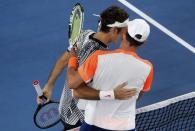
x: 85, y: 92
x: 89, y: 93
x: 82, y: 91
x: 73, y: 78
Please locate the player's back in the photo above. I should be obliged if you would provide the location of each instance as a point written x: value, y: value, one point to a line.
x: 112, y: 69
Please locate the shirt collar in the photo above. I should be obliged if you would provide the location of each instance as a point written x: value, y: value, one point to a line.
x: 96, y: 40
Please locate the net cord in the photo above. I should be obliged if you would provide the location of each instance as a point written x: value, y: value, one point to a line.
x: 165, y: 103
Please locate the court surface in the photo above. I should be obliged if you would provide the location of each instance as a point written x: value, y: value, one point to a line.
x: 33, y: 34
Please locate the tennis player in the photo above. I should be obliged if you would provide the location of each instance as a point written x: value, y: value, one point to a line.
x: 113, y: 20
x: 103, y: 70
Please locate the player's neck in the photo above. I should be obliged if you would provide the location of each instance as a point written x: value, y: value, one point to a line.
x: 102, y: 37
x: 129, y: 48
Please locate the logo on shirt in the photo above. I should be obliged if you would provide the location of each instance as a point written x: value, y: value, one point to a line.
x: 108, y: 96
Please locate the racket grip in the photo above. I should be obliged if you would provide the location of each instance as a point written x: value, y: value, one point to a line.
x: 38, y: 88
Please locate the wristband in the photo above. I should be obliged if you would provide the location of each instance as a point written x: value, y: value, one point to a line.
x: 106, y: 95
x: 73, y: 62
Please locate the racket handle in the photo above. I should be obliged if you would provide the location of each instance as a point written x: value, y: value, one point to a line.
x: 38, y: 88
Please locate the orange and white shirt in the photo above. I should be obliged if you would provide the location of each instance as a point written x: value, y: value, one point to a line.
x: 104, y: 70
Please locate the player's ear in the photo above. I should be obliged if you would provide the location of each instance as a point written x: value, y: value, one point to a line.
x: 115, y: 30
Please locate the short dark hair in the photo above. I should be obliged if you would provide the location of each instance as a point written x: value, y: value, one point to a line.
x: 132, y: 41
x: 110, y: 15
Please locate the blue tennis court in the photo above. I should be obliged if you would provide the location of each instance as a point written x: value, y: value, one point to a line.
x: 33, y: 34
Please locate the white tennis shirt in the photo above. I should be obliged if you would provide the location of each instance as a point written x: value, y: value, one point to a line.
x: 104, y: 70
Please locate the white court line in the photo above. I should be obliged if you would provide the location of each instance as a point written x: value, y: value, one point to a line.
x: 158, y: 25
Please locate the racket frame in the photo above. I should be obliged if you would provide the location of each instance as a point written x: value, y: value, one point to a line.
x: 76, y: 6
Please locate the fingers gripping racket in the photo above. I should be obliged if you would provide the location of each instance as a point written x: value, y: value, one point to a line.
x: 76, y: 23
x: 46, y: 115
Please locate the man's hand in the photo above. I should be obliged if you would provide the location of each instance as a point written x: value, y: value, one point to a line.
x: 47, y: 92
x: 122, y: 93
x: 56, y: 71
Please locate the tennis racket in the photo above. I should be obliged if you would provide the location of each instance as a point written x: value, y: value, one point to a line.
x: 75, y: 23
x: 46, y: 115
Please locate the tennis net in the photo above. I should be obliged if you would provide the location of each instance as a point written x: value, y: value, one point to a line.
x: 176, y: 114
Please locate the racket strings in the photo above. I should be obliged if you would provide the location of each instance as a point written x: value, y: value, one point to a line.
x: 47, y: 115
x: 76, y: 23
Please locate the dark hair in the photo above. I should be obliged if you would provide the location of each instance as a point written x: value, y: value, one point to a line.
x: 110, y: 15
x: 132, y: 41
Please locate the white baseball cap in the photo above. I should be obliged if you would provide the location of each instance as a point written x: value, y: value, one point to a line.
x: 138, y: 29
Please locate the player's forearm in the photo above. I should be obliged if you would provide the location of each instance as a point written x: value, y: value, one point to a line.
x: 58, y: 68
x: 119, y: 92
x: 85, y: 92
x: 74, y: 80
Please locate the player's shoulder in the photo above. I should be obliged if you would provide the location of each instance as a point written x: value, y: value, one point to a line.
x: 143, y: 60
x: 103, y: 52
x: 148, y: 62
x: 84, y: 37
x: 87, y: 32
